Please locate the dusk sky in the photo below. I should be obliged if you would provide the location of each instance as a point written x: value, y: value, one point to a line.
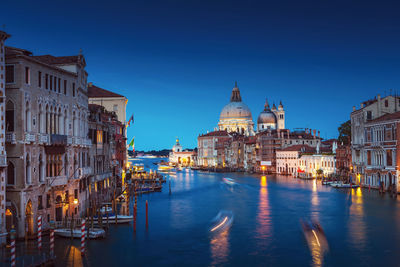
x: 177, y: 61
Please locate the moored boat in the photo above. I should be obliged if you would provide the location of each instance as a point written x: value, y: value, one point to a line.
x: 120, y: 219
x: 341, y: 185
x: 76, y: 233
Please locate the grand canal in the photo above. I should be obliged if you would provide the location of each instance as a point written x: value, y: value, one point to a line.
x: 362, y: 228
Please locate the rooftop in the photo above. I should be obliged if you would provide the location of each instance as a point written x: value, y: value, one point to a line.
x: 63, y: 60
x: 386, y: 117
x: 94, y: 91
x: 299, y: 148
x: 216, y: 133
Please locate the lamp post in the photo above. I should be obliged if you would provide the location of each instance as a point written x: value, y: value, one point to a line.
x: 263, y: 169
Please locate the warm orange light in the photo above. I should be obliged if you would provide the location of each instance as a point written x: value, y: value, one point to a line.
x: 263, y: 167
x: 75, y: 201
x: 263, y: 181
x: 8, y: 212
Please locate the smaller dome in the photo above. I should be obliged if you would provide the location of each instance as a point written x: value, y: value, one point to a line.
x: 266, y: 116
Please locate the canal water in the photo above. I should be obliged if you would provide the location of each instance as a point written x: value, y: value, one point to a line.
x: 362, y: 228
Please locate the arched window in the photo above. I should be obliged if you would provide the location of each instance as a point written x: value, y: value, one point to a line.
x: 65, y: 122
x: 60, y: 122
x: 66, y: 165
x: 40, y: 119
x: 10, y: 115
x: 10, y: 174
x: 28, y: 170
x: 73, y: 124
x: 41, y: 165
x: 47, y: 124
x: 27, y: 118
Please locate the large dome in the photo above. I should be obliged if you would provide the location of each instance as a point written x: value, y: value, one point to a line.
x: 235, y: 110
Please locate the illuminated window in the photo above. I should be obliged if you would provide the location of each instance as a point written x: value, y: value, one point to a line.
x: 99, y: 136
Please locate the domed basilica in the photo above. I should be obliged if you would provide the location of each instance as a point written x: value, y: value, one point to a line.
x: 236, y: 116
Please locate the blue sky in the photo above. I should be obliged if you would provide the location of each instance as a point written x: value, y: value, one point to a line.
x: 176, y: 61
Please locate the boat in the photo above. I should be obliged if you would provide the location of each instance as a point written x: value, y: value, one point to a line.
x: 341, y: 185
x: 222, y: 222
x: 106, y: 210
x: 328, y: 182
x: 164, y: 168
x: 112, y: 219
x: 315, y: 237
x: 76, y: 233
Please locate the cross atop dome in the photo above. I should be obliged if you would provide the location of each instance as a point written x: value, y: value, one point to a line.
x: 235, y: 97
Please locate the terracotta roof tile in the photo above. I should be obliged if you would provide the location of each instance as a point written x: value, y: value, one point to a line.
x: 52, y: 60
x: 216, y: 133
x: 300, y: 148
x: 94, y: 91
x: 386, y: 117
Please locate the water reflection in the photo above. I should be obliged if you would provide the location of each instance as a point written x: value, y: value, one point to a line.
x: 72, y: 256
x: 357, y: 227
x: 220, y: 248
x: 314, y: 201
x: 316, y: 241
x: 263, y: 231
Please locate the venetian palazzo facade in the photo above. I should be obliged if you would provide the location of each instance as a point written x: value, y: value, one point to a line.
x: 104, y: 131
x: 368, y: 111
x: 116, y: 103
x: 46, y: 138
x: 381, y: 148
x: 3, y: 155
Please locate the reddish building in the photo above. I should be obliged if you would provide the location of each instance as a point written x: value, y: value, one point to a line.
x: 343, y: 161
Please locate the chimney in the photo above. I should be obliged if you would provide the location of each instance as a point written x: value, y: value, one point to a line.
x: 318, y: 134
x: 314, y: 131
x: 362, y: 105
x: 354, y: 108
x: 90, y: 84
x: 379, y: 97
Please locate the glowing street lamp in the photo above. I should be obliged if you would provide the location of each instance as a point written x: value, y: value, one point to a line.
x: 76, y: 201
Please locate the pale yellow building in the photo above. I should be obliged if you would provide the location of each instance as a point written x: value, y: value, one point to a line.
x: 109, y: 100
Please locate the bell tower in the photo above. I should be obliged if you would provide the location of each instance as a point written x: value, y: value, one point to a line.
x: 280, y: 115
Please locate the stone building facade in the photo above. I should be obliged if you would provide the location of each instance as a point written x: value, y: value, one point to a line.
x: 207, y: 148
x: 3, y: 155
x: 369, y: 110
x: 46, y: 138
x: 103, y: 182
x: 381, y: 145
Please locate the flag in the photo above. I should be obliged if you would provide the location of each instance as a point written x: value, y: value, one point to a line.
x: 132, y: 144
x: 130, y: 120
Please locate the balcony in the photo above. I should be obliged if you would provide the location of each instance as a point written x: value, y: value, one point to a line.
x: 59, y: 139
x: 57, y: 181
x: 101, y: 177
x: 84, y: 171
x: 43, y: 138
x: 30, y: 138
x: 77, y: 141
x: 86, y: 142
x: 3, y: 161
x: 10, y: 138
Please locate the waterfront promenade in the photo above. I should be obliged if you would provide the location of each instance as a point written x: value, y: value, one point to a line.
x: 361, y: 227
